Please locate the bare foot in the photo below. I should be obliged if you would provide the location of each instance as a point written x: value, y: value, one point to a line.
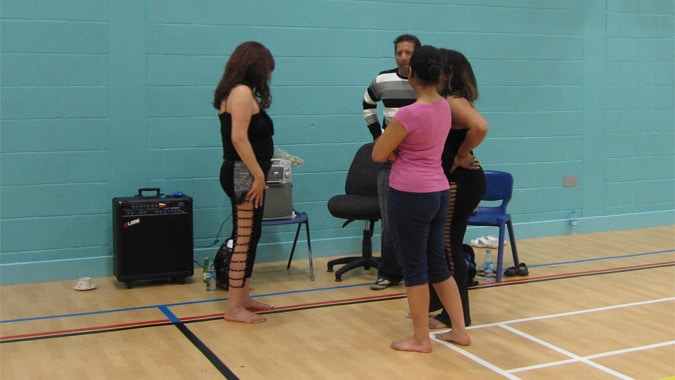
x: 244, y: 316
x: 454, y: 337
x: 252, y: 304
x: 435, y: 324
x: 411, y: 344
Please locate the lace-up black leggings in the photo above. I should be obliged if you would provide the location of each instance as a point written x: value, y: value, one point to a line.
x: 236, y: 181
x: 467, y: 187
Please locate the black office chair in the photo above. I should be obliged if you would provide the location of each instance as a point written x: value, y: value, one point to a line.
x: 359, y: 202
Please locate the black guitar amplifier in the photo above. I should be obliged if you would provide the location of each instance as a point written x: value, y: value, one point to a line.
x: 152, y: 237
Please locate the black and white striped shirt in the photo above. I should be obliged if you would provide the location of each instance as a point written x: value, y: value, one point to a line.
x: 394, y: 91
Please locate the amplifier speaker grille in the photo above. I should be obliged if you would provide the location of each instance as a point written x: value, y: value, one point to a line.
x: 152, y: 239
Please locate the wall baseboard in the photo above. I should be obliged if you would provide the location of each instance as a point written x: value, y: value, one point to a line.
x: 102, y: 266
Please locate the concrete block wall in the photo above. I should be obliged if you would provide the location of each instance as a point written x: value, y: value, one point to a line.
x: 100, y: 98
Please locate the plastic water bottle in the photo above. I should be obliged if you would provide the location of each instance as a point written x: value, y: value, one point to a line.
x: 488, y: 267
x: 574, y: 223
x: 209, y: 275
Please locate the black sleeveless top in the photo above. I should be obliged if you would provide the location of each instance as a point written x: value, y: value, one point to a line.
x: 455, y: 139
x: 260, y: 132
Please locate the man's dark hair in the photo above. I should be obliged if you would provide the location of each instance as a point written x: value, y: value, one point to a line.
x: 407, y: 38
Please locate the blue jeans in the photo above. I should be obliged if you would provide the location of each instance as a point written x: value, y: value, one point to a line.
x: 389, y: 268
x: 417, y: 226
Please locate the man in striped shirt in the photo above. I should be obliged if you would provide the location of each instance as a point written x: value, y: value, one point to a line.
x: 392, y: 89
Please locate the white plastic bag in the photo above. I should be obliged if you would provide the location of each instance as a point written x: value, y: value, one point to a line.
x: 280, y: 153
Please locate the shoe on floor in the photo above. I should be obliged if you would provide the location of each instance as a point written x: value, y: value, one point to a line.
x: 521, y: 271
x: 485, y: 242
x: 382, y: 283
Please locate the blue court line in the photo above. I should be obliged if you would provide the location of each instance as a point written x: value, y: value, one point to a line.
x: 163, y: 307
x: 170, y: 315
x: 601, y: 259
x: 76, y: 314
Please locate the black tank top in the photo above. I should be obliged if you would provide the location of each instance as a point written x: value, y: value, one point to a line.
x: 260, y: 132
x: 455, y: 139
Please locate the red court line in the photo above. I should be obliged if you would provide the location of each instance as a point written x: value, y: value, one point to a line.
x: 317, y: 304
x: 308, y: 305
x: 581, y: 273
x: 338, y: 302
x: 84, y: 329
x: 201, y: 317
x: 45, y: 334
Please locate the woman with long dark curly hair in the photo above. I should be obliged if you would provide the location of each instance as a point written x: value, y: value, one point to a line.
x: 241, y: 98
x: 463, y: 171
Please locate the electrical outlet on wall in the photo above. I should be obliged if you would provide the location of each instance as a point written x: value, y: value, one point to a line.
x: 570, y: 181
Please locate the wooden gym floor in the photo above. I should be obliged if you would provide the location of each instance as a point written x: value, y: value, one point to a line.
x: 595, y: 306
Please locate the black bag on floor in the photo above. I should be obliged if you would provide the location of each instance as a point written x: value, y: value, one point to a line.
x: 470, y: 258
x: 221, y: 263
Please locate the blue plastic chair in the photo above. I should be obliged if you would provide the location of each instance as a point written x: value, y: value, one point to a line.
x: 298, y: 218
x: 499, y: 188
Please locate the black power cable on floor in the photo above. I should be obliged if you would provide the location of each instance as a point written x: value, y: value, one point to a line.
x: 216, y: 240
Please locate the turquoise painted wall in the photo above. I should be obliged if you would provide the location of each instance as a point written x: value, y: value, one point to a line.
x: 99, y: 98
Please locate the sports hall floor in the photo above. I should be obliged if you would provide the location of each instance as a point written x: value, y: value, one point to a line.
x: 594, y: 306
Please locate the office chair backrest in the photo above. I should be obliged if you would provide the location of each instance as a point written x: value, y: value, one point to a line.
x: 362, y: 175
x: 499, y: 187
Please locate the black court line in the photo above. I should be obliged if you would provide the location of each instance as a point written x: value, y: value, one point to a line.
x: 47, y: 335
x: 204, y: 349
x: 229, y: 375
x: 302, y: 307
x: 598, y: 272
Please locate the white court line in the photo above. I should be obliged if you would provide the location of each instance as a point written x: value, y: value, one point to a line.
x: 595, y: 356
x: 577, y: 312
x: 632, y: 349
x: 574, y: 358
x: 473, y: 357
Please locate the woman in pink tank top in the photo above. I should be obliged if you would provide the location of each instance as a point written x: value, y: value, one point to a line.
x: 418, y: 200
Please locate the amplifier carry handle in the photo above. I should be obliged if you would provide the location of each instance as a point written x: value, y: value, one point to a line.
x: 145, y: 189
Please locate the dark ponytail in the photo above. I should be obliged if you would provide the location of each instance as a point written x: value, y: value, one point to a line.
x: 426, y: 64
